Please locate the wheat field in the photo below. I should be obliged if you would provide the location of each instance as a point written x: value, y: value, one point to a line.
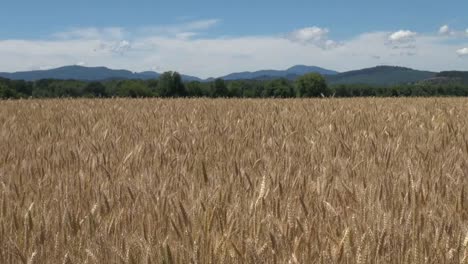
x: 234, y: 181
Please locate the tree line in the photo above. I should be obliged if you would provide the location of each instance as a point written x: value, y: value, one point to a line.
x: 170, y: 84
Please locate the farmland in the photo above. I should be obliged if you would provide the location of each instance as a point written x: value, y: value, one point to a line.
x: 359, y: 180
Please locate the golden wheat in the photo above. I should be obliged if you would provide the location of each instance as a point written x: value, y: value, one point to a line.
x: 234, y: 181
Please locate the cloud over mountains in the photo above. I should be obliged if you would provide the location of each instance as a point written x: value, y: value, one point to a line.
x: 190, y: 48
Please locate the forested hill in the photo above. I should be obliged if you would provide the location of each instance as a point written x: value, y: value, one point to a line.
x: 102, y: 74
x: 381, y: 75
x: 82, y: 73
x: 170, y: 84
x: 376, y: 76
x: 460, y: 75
x: 291, y: 73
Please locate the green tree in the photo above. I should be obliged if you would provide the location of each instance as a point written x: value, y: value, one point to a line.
x: 6, y: 92
x: 152, y: 85
x: 235, y: 88
x: 42, y: 88
x: 279, y: 88
x: 22, y: 88
x: 194, y: 89
x: 219, y: 88
x: 342, y: 91
x: 311, y: 85
x: 96, y: 89
x: 170, y: 85
x: 133, y: 89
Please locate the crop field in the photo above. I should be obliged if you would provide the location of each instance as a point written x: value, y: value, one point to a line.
x: 234, y: 181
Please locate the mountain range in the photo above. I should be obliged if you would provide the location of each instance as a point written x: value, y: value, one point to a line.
x: 379, y: 75
x: 85, y: 74
x: 102, y: 73
x: 290, y: 73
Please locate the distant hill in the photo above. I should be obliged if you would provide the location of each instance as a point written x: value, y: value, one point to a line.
x: 447, y: 78
x: 381, y: 75
x: 85, y: 74
x: 441, y: 81
x: 290, y: 77
x: 290, y: 73
x: 460, y: 76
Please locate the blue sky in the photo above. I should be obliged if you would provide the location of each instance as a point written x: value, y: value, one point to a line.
x: 233, y: 36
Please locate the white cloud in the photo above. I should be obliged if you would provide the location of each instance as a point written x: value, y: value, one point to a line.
x: 183, y: 30
x: 445, y: 30
x: 119, y: 47
x: 402, y: 43
x: 91, y: 33
x: 122, y: 47
x: 462, y: 52
x: 200, y: 24
x: 188, y: 49
x: 309, y: 34
x: 313, y: 35
x: 402, y: 36
x: 186, y: 35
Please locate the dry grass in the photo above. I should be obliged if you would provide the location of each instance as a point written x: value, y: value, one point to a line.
x: 234, y: 181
